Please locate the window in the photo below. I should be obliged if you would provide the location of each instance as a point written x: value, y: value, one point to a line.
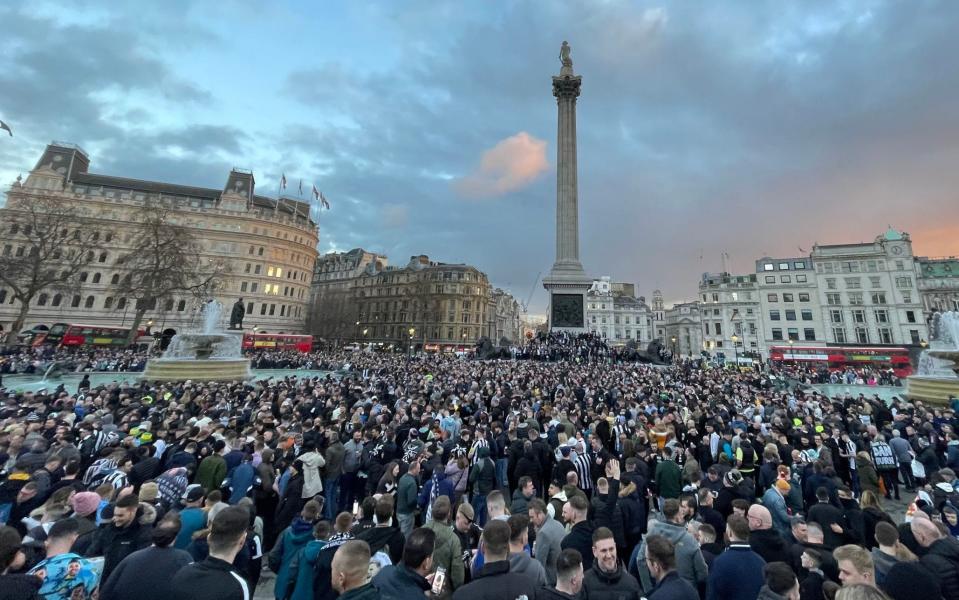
x: 115, y: 279
x: 719, y: 328
x: 806, y: 314
x: 272, y: 309
x: 910, y: 316
x: 839, y: 334
x: 774, y: 315
x: 858, y: 316
x: 57, y: 298
x: 800, y: 279
x: 833, y: 299
x: 752, y: 328
x: 862, y: 335
x: 257, y: 269
x: 41, y: 301
x: 777, y: 333
x: 799, y: 265
x: 803, y: 297
x: 249, y: 308
x: 855, y: 298
x: 168, y: 305
x: 849, y: 266
x: 900, y: 265
x: 96, y: 278
x: 251, y: 250
x: 787, y: 297
x: 75, y: 303
x: 903, y: 282
x: 882, y: 315
x: 885, y: 335
x: 103, y: 257
x: 790, y: 315
x: 784, y: 266
x: 768, y: 267
x: 83, y: 276
x: 809, y: 334
x: 260, y: 251
x: 263, y: 312
x: 121, y: 303
x: 873, y: 282
x: 914, y: 336
x: 907, y: 299
x: 852, y: 283
x: 835, y: 316
x: 879, y: 298
x: 772, y: 297
x: 89, y: 302
x: 830, y: 283
x: 770, y: 279
x: 715, y: 299
x: 785, y: 279
x: 181, y: 306
x: 248, y: 267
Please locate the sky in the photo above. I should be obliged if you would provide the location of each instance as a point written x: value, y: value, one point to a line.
x: 745, y: 128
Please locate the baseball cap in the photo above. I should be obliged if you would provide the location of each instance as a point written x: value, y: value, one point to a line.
x: 193, y: 493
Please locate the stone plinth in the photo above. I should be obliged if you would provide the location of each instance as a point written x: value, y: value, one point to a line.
x: 161, y: 369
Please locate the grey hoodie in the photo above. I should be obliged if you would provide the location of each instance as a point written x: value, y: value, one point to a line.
x: 690, y: 563
x: 883, y: 563
x: 522, y: 563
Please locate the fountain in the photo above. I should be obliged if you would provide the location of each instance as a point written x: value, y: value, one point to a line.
x: 209, y: 355
x: 938, y: 377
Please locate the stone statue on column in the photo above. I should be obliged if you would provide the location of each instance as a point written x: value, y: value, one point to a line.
x: 237, y: 314
x: 565, y: 59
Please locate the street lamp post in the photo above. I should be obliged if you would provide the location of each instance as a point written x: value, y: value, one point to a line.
x: 735, y: 339
x: 412, y: 332
x: 673, y: 340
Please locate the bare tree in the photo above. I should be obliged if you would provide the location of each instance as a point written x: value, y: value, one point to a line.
x: 424, y: 304
x: 48, y: 240
x: 333, y: 314
x: 165, y: 261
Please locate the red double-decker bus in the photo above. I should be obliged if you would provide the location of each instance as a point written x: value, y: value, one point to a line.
x: 277, y: 341
x: 74, y: 334
x: 837, y: 358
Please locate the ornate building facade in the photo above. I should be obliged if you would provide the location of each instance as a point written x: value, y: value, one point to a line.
x: 428, y: 305
x: 614, y: 313
x: 683, y: 329
x: 268, y: 245
x: 938, y: 280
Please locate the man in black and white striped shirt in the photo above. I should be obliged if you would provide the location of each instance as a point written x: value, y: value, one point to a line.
x: 581, y: 464
x: 119, y: 477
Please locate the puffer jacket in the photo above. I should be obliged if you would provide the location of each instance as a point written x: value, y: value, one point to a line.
x: 942, y: 558
x: 447, y: 554
x: 312, y: 480
x: 598, y: 585
x: 690, y: 563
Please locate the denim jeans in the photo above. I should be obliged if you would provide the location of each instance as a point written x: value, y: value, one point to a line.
x: 406, y: 523
x: 331, y: 493
x: 501, y: 464
x: 479, y: 509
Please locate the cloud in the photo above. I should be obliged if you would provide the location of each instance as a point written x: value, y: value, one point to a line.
x: 510, y: 165
x: 395, y: 216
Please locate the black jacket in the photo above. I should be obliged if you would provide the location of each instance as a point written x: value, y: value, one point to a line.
x: 389, y: 539
x: 618, y: 585
x: 212, y: 579
x: 495, y: 582
x: 580, y: 538
x: 942, y: 558
x: 548, y: 593
x: 19, y: 587
x: 145, y: 575
x: 770, y: 545
x: 114, y: 544
x: 673, y: 587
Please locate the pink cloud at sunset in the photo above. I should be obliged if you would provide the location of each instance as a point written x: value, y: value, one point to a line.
x: 506, y: 167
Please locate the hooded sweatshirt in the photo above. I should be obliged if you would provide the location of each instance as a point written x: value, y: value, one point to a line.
x: 690, y: 563
x: 520, y: 562
x: 312, y: 481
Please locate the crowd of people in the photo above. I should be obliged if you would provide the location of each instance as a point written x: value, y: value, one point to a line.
x: 847, y: 376
x: 37, y: 360
x: 555, y: 478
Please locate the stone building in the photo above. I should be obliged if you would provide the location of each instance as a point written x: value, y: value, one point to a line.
x: 659, y: 317
x: 938, y: 280
x: 730, y: 306
x: 615, y: 314
x: 507, y: 318
x: 789, y: 303
x: 269, y: 245
x: 445, y: 306
x: 869, y: 292
x: 683, y: 330
x: 333, y: 312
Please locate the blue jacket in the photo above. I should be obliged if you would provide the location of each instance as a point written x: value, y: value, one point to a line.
x: 777, y: 507
x: 673, y: 587
x: 399, y: 582
x: 303, y: 588
x: 736, y: 574
x: 292, y: 539
x: 241, y: 481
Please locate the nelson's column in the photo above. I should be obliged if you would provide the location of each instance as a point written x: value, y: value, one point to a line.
x: 567, y: 282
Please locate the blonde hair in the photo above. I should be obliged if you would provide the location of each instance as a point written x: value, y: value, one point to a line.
x: 860, y: 591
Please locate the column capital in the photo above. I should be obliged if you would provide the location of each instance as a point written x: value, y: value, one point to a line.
x: 566, y: 86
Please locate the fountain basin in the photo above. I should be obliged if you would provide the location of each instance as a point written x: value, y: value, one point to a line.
x: 180, y: 369
x: 936, y: 389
